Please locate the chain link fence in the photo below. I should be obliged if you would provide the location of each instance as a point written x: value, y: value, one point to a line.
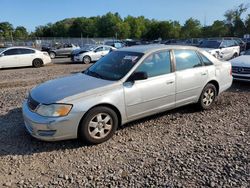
x: 39, y: 42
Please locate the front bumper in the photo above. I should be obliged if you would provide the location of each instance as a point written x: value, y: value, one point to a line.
x: 76, y: 59
x: 51, y: 129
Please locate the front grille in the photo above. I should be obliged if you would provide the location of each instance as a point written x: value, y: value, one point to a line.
x: 241, y: 70
x: 32, y: 104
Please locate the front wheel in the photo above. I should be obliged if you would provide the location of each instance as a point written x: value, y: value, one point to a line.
x: 86, y: 59
x: 207, y: 97
x: 98, y: 126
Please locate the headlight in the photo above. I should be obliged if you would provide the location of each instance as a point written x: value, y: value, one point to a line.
x: 54, y: 110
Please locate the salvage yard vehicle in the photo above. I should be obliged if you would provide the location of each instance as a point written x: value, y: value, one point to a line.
x: 127, y: 84
x: 60, y: 50
x: 91, y: 54
x: 241, y: 67
x: 23, y: 56
x: 221, y: 49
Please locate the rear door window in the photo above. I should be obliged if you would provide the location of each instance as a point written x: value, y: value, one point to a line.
x: 186, y: 59
x: 26, y: 51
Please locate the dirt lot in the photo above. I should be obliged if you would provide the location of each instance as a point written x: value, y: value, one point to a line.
x: 180, y: 148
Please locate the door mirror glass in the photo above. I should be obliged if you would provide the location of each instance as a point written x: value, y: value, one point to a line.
x: 138, y: 76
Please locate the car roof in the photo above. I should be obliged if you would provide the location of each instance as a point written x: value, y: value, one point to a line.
x: 151, y: 48
x: 23, y: 47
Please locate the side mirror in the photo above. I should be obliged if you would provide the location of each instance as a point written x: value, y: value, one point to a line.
x: 138, y: 76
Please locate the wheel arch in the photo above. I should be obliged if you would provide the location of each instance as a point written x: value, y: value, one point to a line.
x: 114, y: 108
x: 216, y: 84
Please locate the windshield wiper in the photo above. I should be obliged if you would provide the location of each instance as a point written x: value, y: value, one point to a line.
x: 95, y: 74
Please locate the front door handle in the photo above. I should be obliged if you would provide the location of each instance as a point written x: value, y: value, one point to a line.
x: 204, y: 74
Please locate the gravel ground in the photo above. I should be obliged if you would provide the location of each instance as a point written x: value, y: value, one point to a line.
x: 180, y: 148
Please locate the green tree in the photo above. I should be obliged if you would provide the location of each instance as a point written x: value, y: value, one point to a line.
x: 247, y: 24
x: 191, y: 29
x: 6, y: 30
x: 234, y: 21
x: 20, y: 33
x: 219, y: 29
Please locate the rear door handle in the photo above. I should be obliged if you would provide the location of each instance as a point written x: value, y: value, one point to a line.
x: 170, y: 82
x: 204, y: 74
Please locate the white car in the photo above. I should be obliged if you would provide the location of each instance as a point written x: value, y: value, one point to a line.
x: 22, y: 57
x: 241, y: 67
x: 221, y: 49
x: 93, y: 54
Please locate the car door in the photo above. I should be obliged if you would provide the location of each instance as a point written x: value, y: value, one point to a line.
x: 26, y: 56
x: 157, y: 93
x: 67, y: 49
x: 9, y: 58
x: 191, y: 76
x: 226, y: 50
x: 97, y: 53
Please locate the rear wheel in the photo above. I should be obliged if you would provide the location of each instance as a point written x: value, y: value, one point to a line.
x: 86, y: 59
x: 98, y: 126
x: 37, y: 63
x: 52, y: 55
x: 207, y: 97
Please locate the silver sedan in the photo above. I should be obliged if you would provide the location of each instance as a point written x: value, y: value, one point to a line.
x: 125, y: 85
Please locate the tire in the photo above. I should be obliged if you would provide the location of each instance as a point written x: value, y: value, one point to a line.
x: 207, y: 97
x: 235, y: 55
x: 98, y: 125
x: 37, y: 63
x: 52, y: 55
x: 86, y: 59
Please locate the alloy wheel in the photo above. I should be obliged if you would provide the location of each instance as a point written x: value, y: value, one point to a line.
x: 100, y: 126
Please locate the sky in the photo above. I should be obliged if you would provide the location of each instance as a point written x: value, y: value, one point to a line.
x: 32, y: 13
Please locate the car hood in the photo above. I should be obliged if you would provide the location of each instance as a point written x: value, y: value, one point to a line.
x: 56, y: 90
x: 242, y: 61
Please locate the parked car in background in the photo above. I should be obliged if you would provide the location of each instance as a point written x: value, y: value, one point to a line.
x: 241, y: 67
x: 91, y: 54
x: 22, y: 56
x: 125, y: 85
x: 247, y: 41
x: 60, y: 50
x: 239, y: 41
x: 115, y: 43
x: 221, y: 49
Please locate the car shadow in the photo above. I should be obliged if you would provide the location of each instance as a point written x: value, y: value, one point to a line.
x: 15, y: 140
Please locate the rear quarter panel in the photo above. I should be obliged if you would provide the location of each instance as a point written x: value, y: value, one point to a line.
x: 223, y: 75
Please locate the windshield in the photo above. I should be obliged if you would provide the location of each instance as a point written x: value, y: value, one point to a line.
x: 210, y: 44
x: 90, y: 47
x: 114, y: 66
x: 2, y: 49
